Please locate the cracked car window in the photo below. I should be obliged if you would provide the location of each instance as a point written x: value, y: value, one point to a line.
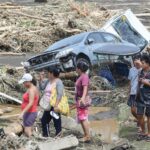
x: 123, y: 28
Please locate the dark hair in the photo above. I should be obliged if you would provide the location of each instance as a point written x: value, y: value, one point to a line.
x: 135, y: 57
x: 82, y: 66
x: 34, y: 82
x: 55, y: 71
x: 146, y: 58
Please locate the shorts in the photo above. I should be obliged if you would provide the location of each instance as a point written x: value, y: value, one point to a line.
x: 141, y: 110
x: 132, y: 101
x: 29, y: 119
x: 82, y: 114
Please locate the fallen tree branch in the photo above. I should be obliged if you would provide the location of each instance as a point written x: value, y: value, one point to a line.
x: 10, y: 98
x: 29, y: 16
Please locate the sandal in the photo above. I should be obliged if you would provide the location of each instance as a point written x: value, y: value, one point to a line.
x: 147, y: 138
x: 59, y: 135
x: 141, y: 137
x: 85, y: 140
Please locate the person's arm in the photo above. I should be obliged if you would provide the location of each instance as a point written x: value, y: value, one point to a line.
x: 42, y: 81
x: 59, y: 90
x: 85, y: 91
x: 31, y: 101
x: 85, y: 84
x: 145, y: 81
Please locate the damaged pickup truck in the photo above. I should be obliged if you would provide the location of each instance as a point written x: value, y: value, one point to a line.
x: 115, y: 35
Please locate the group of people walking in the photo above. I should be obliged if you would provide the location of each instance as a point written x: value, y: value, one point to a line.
x: 139, y: 99
x: 32, y: 98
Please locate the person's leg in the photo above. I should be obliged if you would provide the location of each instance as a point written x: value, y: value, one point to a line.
x: 132, y: 103
x: 83, y: 119
x: 85, y: 126
x: 46, y: 118
x: 140, y: 116
x: 133, y: 111
x: 148, y: 126
x: 147, y: 113
x: 57, y: 125
x: 28, y: 131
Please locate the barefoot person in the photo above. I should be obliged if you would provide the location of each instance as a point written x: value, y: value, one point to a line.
x: 82, y: 85
x: 29, y: 104
x: 143, y: 104
x: 134, y: 77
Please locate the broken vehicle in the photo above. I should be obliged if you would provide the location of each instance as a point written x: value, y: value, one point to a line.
x: 65, y: 54
x: 128, y: 27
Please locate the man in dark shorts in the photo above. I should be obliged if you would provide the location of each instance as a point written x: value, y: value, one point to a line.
x: 143, y: 103
x: 134, y: 77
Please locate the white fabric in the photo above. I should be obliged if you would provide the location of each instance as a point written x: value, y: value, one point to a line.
x: 26, y: 77
x: 45, y: 100
x: 134, y: 77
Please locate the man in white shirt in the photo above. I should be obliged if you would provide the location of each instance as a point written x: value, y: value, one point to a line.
x: 134, y: 78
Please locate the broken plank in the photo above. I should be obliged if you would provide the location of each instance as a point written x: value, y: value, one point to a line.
x: 60, y: 143
x: 143, y: 15
x: 9, y: 116
x: 15, y: 128
x: 10, y: 7
x: 10, y: 98
x: 11, y: 53
x: 29, y: 16
x: 92, y: 92
x: 6, y: 28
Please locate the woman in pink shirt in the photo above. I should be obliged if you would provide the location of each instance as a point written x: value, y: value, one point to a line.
x: 29, y: 103
x: 82, y: 86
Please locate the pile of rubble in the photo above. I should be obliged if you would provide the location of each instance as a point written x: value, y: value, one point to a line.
x: 34, y: 28
x: 9, y: 77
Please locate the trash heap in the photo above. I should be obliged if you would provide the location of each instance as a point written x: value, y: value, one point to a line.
x: 34, y: 28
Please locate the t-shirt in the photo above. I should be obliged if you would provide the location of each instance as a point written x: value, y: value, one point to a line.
x: 133, y: 77
x: 144, y: 90
x: 82, y: 81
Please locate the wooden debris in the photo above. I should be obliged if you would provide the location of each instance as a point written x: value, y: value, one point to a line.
x: 9, y: 116
x: 93, y: 92
x: 29, y: 16
x: 8, y: 109
x: 11, y: 54
x: 68, y: 75
x: 10, y: 98
x: 15, y: 128
x: 1, y: 112
x: 82, y: 11
x: 143, y: 15
x: 10, y: 7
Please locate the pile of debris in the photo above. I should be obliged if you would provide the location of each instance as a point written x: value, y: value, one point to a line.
x: 34, y: 28
x: 9, y: 77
